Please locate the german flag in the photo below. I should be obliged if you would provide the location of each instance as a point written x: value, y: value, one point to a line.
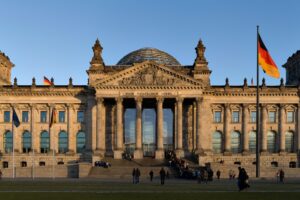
x: 265, y: 60
x: 53, y: 118
x: 46, y: 81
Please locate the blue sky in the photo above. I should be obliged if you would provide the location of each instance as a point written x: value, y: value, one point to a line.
x: 54, y: 38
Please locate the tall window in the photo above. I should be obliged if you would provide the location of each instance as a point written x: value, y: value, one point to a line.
x: 217, y: 142
x: 61, y: 116
x: 235, y: 142
x: 25, y: 117
x: 252, y: 141
x: 290, y: 116
x: 62, y: 142
x: 129, y: 129
x: 217, y: 116
x: 235, y: 116
x: 168, y: 129
x: 80, y: 116
x: 80, y: 142
x: 6, y: 116
x: 271, y: 142
x: 8, y: 142
x: 45, y: 142
x: 289, y: 141
x: 43, y: 115
x: 253, y: 117
x: 26, y: 140
x: 272, y: 116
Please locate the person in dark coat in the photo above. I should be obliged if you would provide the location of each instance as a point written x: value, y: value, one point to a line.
x: 243, y: 179
x: 137, y: 175
x: 133, y: 175
x: 151, y: 175
x: 162, y: 174
x: 281, y: 176
x: 218, y: 174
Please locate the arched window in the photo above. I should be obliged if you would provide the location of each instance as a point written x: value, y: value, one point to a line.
x: 62, y: 142
x: 26, y: 142
x: 8, y: 142
x: 235, y: 142
x: 45, y: 142
x: 80, y: 142
x: 217, y: 142
x: 252, y: 141
x: 271, y: 142
x: 289, y: 141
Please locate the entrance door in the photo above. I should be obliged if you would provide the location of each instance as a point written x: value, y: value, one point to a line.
x: 149, y: 131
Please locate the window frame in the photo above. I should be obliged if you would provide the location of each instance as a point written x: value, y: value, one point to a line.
x: 64, y: 116
x: 288, y: 118
x: 235, y: 119
x: 7, y: 116
x: 270, y: 118
x: 41, y: 116
x: 80, y: 121
x: 24, y: 117
x: 216, y: 118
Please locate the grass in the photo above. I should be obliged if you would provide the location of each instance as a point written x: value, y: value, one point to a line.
x: 174, y: 189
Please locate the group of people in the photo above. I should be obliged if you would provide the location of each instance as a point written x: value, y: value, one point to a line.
x: 136, y: 173
x: 102, y: 163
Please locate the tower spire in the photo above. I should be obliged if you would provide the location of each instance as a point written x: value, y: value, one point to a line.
x: 97, y: 61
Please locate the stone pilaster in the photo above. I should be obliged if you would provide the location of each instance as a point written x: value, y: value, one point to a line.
x: 71, y: 134
x: 100, y: 141
x: 35, y: 137
x: 179, y: 149
x: 199, y: 147
x: 138, y: 153
x: 159, y: 153
x: 264, y: 128
x: 245, y: 129
x: 119, y: 147
x: 226, y: 130
x: 91, y: 115
x: 281, y: 130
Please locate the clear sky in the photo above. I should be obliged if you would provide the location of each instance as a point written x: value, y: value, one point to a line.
x: 54, y: 38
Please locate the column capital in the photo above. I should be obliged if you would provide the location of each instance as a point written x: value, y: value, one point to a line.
x: 179, y: 99
x: 199, y: 99
x: 119, y: 99
x: 100, y: 100
x: 138, y: 99
x: 159, y: 99
x: 263, y: 105
x: 32, y: 106
x: 281, y: 106
x: 227, y: 106
x: 245, y: 105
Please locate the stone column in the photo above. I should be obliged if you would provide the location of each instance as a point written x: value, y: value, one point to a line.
x: 71, y: 134
x: 119, y: 148
x: 199, y: 148
x: 226, y: 130
x: 100, y: 141
x: 179, y: 149
x: 159, y: 153
x: 264, y: 128
x: 245, y: 129
x: 138, y: 153
x: 281, y: 131
x: 35, y: 137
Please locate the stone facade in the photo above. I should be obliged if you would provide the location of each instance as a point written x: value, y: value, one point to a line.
x: 200, y: 110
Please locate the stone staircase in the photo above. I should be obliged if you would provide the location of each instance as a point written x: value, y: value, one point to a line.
x: 122, y: 169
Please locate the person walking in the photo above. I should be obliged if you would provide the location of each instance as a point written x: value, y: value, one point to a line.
x: 243, y: 179
x: 137, y: 175
x: 162, y: 174
x: 0, y: 174
x: 281, y: 176
x: 151, y: 175
x: 133, y: 175
x: 218, y: 174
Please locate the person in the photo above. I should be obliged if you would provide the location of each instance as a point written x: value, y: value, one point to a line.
x: 281, y: 176
x: 218, y: 174
x: 0, y: 174
x: 133, y: 175
x: 162, y: 174
x: 205, y: 176
x: 137, y: 175
x: 151, y: 175
x: 242, y: 179
x: 277, y: 176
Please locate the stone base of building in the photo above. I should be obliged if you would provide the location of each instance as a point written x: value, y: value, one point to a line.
x: 159, y: 154
x: 118, y: 154
x: 179, y: 153
x: 138, y: 154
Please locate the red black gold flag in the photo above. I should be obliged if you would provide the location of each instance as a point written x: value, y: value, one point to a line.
x: 46, y: 81
x: 53, y: 118
x: 265, y: 60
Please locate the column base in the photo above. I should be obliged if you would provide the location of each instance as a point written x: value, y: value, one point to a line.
x: 118, y: 154
x: 282, y: 152
x: 99, y: 152
x: 138, y: 154
x: 200, y: 152
x: 159, y: 154
x: 179, y: 153
x: 246, y: 153
x: 264, y: 153
x: 227, y: 153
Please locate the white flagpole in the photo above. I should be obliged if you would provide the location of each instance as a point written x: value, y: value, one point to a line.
x: 32, y: 143
x: 13, y: 148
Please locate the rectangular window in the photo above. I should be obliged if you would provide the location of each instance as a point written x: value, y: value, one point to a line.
x: 24, y: 116
x: 61, y: 116
x: 217, y: 116
x: 43, y: 116
x: 80, y: 116
x: 235, y: 116
x: 6, y: 116
x: 272, y: 116
x: 290, y: 117
x: 253, y: 117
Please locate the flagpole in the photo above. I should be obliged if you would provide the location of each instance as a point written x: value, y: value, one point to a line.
x: 257, y: 111
x: 13, y: 147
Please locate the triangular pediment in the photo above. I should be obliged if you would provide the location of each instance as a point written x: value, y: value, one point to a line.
x: 149, y: 74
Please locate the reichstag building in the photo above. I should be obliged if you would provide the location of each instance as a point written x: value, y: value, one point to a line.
x: 144, y: 105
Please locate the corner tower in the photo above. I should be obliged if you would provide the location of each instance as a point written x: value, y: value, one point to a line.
x: 5, y: 69
x: 201, y: 70
x: 292, y: 67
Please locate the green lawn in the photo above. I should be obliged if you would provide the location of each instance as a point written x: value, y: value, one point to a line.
x: 173, y: 190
